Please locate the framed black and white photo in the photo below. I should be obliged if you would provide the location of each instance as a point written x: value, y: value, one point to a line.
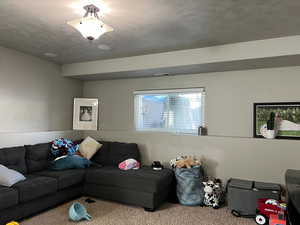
x: 287, y: 117
x: 85, y: 115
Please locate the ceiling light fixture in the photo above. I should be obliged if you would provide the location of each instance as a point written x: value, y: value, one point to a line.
x: 90, y: 26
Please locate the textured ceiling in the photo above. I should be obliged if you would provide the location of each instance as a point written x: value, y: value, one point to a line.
x: 143, y: 26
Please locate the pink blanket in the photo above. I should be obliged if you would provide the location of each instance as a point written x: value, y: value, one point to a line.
x: 129, y: 164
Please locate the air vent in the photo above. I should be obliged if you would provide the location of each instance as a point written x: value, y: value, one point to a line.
x: 160, y: 74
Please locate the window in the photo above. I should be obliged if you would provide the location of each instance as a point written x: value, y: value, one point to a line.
x: 180, y: 110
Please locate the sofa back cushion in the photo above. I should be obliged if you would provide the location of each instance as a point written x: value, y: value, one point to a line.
x: 113, y: 153
x: 38, y: 157
x: 14, y: 158
x: 102, y: 155
x: 122, y: 151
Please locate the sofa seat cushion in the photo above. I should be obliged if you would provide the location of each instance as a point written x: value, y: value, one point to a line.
x: 14, y: 158
x: 8, y: 197
x: 65, y: 178
x: 34, y: 187
x: 142, y: 180
x: 38, y: 157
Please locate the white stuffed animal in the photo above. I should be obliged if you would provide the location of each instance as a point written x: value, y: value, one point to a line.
x: 213, y: 193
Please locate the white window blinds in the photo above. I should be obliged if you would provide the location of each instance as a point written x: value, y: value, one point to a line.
x: 180, y: 110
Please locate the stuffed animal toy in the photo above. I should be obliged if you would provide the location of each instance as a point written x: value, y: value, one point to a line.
x: 213, y: 193
x: 185, y: 162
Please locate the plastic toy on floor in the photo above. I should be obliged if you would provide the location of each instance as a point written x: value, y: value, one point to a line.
x: 278, y: 219
x: 12, y: 223
x: 78, y: 212
x: 270, y: 209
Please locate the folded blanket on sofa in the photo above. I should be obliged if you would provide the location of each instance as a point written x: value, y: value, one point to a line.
x: 70, y: 162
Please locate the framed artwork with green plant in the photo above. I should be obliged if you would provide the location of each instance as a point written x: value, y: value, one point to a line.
x: 285, y: 116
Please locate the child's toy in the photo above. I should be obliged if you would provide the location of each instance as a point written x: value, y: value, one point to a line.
x: 213, y: 193
x: 12, y: 223
x: 185, y: 162
x: 78, y: 212
x: 267, y: 207
x: 277, y: 219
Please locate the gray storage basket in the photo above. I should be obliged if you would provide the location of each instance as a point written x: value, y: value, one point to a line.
x: 243, y: 195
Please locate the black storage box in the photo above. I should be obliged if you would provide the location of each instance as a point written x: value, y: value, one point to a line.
x: 243, y: 195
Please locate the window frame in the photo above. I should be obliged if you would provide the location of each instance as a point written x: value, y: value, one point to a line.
x: 202, y: 90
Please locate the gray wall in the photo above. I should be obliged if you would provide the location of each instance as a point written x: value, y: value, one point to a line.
x: 229, y: 150
x: 34, y: 98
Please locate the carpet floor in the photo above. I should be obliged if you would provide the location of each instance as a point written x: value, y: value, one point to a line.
x: 111, y: 213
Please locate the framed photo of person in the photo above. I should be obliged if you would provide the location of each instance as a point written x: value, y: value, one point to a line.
x: 85, y: 114
x: 287, y: 118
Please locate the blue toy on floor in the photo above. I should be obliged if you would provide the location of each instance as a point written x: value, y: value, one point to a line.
x: 78, y: 212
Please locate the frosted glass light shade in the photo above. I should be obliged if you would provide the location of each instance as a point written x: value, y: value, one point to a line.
x: 90, y: 27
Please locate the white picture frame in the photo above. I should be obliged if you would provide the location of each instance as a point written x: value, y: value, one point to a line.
x: 85, y: 114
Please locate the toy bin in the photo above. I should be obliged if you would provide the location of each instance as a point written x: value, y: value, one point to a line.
x: 189, y: 185
x: 243, y: 195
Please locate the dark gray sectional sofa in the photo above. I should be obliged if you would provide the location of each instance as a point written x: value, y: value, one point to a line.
x: 45, y: 188
x: 292, y: 180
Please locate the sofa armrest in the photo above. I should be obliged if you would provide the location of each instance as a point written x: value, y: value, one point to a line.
x: 294, y: 195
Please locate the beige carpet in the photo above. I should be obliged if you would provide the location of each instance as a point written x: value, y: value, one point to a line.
x: 110, y: 213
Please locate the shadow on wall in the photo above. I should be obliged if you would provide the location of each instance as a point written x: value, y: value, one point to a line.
x: 145, y: 154
x: 209, y: 166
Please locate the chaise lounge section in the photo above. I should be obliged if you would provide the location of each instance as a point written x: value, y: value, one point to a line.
x: 44, y: 188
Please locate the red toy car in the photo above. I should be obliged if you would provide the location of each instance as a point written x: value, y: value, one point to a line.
x: 267, y: 207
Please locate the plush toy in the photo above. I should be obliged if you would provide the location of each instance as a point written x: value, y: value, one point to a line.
x: 213, y: 193
x: 185, y: 162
